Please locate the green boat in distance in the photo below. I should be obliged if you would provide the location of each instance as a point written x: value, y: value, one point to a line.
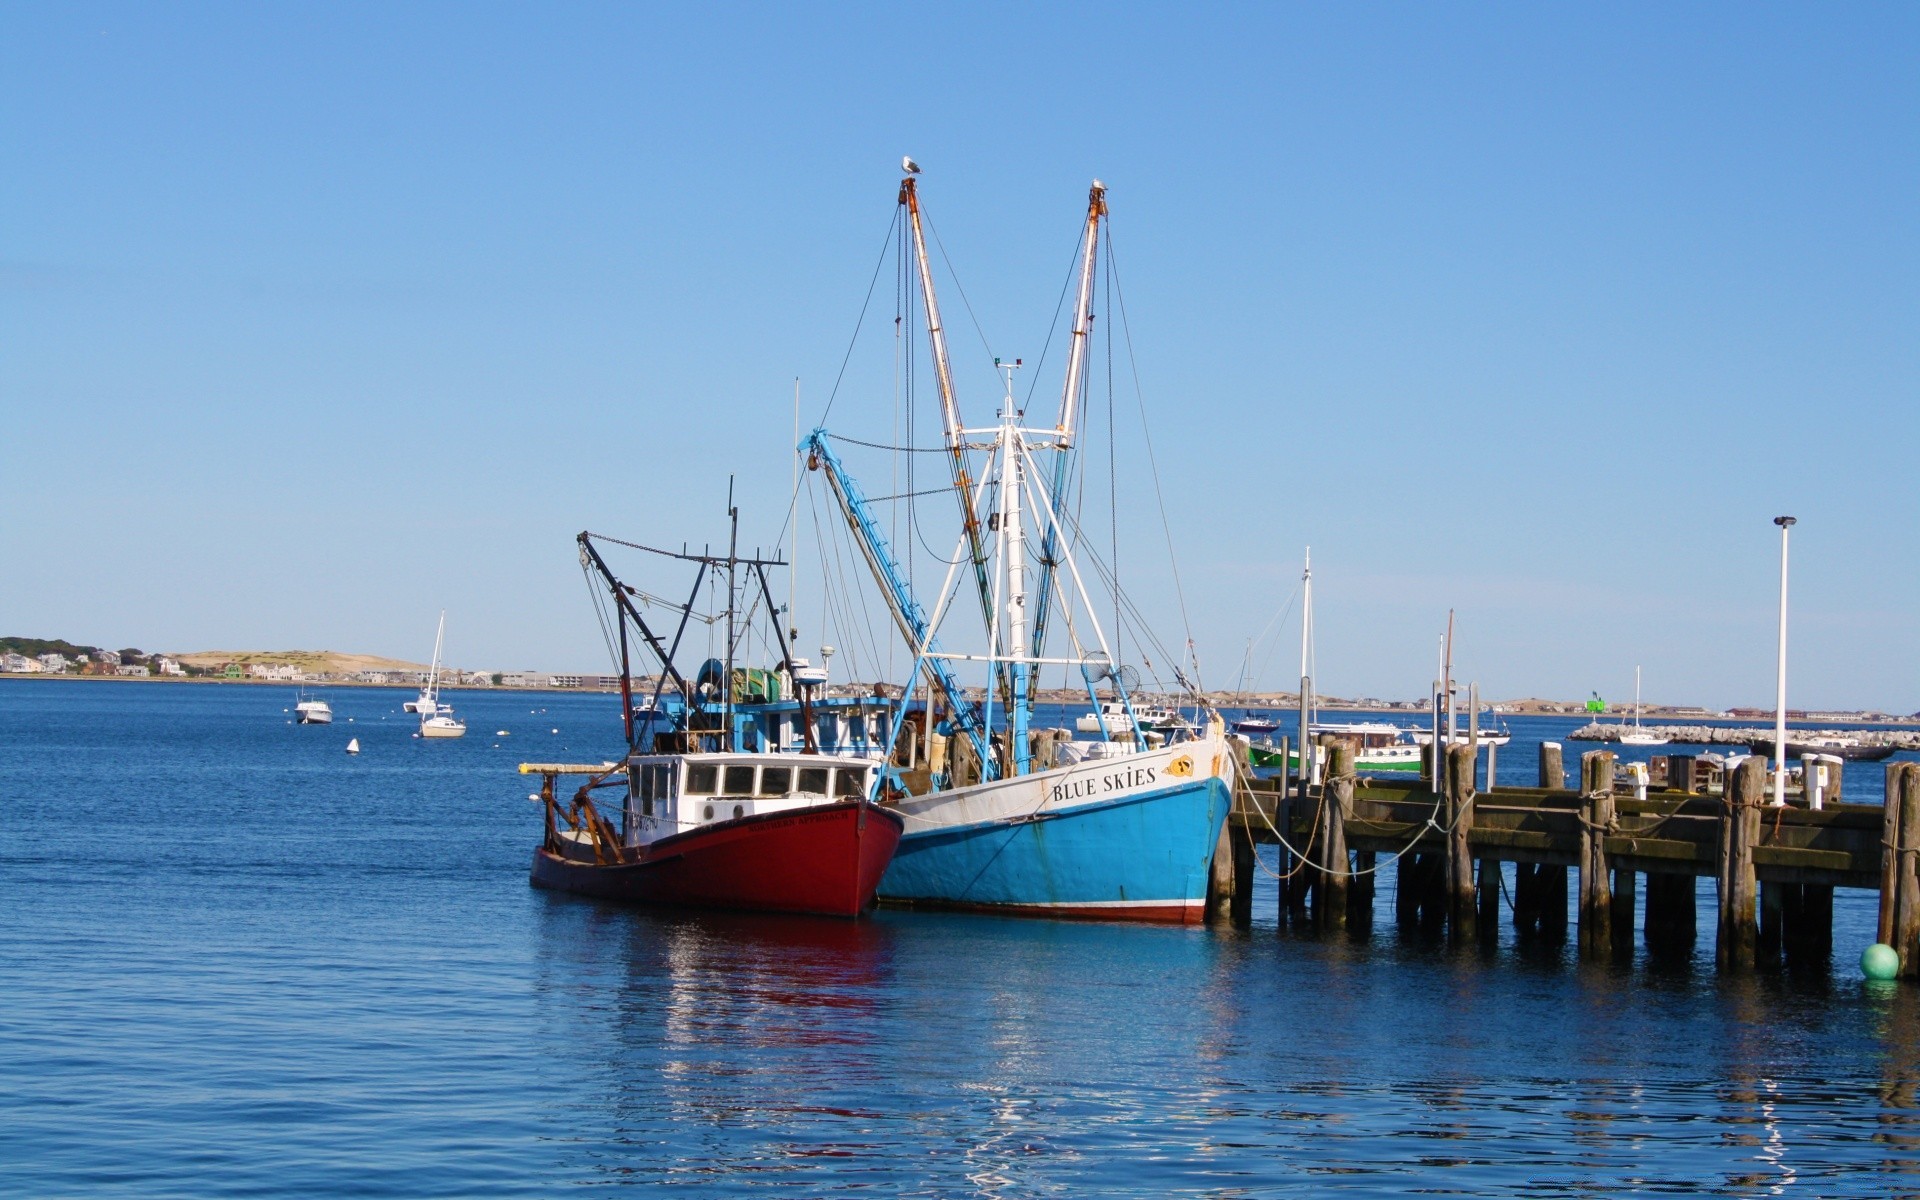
x: 1377, y: 746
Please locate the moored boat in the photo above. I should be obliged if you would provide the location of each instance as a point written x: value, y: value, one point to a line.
x: 740, y: 789
x: 1000, y: 816
x: 1377, y: 746
x: 436, y: 718
x: 311, y: 710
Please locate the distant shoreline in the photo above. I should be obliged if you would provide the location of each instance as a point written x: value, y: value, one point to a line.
x: 1692, y: 716
x: 327, y: 686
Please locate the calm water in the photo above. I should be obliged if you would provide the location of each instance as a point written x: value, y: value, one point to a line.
x: 235, y: 961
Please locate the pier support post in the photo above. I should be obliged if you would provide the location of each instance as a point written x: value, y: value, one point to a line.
x: 1552, y: 773
x: 1739, y: 830
x: 1671, y: 913
x: 1596, y: 817
x: 1777, y: 906
x: 1336, y: 803
x: 1906, y: 924
x: 1680, y: 772
x: 1462, y: 764
x: 1626, y: 886
x: 1220, y: 881
x: 1890, y: 852
x: 1360, y: 895
x: 1487, y: 894
x: 1810, y: 932
x: 1240, y: 911
x: 1301, y: 868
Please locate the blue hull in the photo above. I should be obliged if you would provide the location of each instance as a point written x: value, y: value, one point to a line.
x: 1143, y: 857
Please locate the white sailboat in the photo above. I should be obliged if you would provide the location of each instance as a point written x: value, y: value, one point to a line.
x: 1639, y: 736
x: 436, y: 719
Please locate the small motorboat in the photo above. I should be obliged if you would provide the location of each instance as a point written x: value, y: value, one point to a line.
x: 311, y: 710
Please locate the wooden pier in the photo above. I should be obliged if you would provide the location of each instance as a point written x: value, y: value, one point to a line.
x: 1636, y: 848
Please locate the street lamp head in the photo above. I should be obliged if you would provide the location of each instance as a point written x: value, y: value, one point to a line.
x: 1783, y: 522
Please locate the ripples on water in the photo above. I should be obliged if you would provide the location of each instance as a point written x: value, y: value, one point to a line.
x: 236, y: 961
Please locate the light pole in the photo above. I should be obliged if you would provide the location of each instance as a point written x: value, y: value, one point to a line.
x: 1780, y: 685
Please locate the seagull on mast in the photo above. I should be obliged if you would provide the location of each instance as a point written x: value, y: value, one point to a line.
x: 909, y: 166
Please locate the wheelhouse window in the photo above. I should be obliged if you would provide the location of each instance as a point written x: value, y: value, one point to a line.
x: 702, y: 778
x: 739, y: 781
x: 775, y: 781
x: 849, y: 783
x: 813, y: 781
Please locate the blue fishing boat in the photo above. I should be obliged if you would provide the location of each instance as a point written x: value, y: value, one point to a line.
x: 998, y: 815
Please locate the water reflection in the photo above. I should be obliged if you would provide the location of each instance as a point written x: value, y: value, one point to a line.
x: 957, y: 1055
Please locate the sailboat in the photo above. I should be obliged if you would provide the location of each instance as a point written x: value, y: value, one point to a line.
x: 436, y: 719
x: 1377, y: 745
x: 1002, y: 817
x: 1638, y: 736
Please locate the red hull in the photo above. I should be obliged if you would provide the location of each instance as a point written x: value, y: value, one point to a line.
x: 826, y: 860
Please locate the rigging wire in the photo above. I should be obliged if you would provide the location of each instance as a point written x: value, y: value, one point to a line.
x: 892, y: 226
x: 957, y: 286
x: 1126, y: 327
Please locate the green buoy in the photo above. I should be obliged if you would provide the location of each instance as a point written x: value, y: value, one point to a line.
x: 1880, y: 961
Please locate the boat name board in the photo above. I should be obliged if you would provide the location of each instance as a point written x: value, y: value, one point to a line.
x: 1124, y: 779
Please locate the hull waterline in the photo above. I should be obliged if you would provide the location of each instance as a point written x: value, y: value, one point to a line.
x: 825, y: 860
x: 1128, y: 839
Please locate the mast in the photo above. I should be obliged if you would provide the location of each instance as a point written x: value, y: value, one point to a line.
x: 433, y: 672
x: 1013, y: 544
x: 949, y: 404
x: 1309, y: 759
x: 733, y: 558
x: 1070, y: 393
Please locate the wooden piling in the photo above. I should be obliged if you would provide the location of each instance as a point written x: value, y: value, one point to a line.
x: 1241, y: 910
x: 1680, y: 772
x: 1739, y: 829
x: 1336, y: 805
x: 1596, y: 817
x: 1552, y: 773
x: 1774, y: 906
x: 1360, y: 895
x: 1890, y: 852
x: 1462, y: 764
x: 1671, y: 912
x: 1295, y: 900
x: 1906, y: 925
x: 1220, y: 880
x: 1625, y: 900
x: 1551, y: 880
x: 1487, y: 894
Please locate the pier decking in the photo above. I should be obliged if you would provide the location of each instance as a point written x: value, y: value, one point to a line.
x: 1775, y: 867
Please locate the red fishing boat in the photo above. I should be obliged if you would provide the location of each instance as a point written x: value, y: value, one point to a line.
x: 726, y: 831
x: 740, y: 789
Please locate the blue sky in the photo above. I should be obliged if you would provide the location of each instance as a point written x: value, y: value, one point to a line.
x: 319, y: 319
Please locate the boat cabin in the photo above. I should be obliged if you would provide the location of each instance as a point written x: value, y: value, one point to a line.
x: 674, y: 793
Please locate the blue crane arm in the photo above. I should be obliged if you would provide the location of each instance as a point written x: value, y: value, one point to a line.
x: 907, y: 613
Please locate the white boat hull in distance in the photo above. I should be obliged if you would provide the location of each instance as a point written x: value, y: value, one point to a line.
x: 313, y: 712
x: 1120, y: 837
x: 442, y: 727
